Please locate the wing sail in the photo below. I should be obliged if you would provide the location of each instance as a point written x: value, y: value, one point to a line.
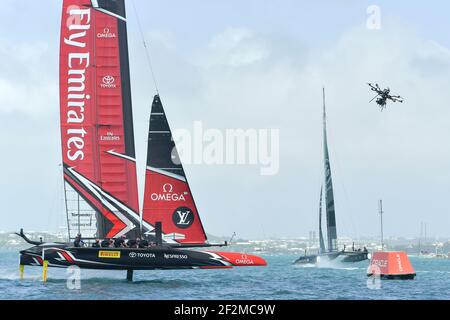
x: 96, y: 120
x: 329, y: 193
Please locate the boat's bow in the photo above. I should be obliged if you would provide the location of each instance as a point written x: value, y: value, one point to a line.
x: 242, y: 259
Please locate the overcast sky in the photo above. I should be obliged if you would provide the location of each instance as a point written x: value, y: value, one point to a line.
x: 255, y: 64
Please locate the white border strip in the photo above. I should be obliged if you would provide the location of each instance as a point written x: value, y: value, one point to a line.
x: 168, y: 174
x: 112, y: 152
x: 111, y: 14
x: 97, y: 7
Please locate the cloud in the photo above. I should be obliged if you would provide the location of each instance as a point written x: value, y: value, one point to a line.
x: 28, y: 82
x: 235, y: 47
x: 396, y: 154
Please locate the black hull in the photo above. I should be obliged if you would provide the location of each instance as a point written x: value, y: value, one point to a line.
x: 155, y: 258
x: 347, y: 257
x: 306, y: 260
x: 313, y: 259
x: 352, y: 257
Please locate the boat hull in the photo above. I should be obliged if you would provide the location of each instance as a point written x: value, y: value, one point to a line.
x: 313, y: 259
x: 356, y: 256
x: 307, y: 260
x: 155, y: 258
x: 345, y: 257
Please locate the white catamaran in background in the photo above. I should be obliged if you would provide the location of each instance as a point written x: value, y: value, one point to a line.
x: 100, y: 179
x: 330, y: 251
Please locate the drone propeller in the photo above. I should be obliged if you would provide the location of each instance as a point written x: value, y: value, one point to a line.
x: 375, y: 87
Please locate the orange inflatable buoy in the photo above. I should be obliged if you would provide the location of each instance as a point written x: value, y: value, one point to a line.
x: 391, y: 266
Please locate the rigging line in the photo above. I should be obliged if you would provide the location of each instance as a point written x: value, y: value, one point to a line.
x: 147, y: 52
x: 53, y: 215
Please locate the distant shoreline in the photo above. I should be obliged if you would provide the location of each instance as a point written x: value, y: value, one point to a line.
x: 297, y: 246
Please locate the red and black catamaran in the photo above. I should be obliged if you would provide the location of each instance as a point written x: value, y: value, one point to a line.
x: 100, y: 178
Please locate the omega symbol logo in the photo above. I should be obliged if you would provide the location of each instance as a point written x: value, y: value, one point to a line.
x: 168, y: 188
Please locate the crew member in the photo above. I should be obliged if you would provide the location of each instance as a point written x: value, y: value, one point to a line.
x: 105, y: 243
x: 120, y: 242
x: 143, y: 244
x: 132, y: 243
x: 78, y: 243
x: 96, y: 244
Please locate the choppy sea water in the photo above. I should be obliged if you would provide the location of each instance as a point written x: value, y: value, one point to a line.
x: 279, y: 281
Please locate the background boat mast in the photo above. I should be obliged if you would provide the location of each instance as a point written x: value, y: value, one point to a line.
x: 380, y: 209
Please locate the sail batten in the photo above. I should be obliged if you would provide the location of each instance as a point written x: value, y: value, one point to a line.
x: 329, y: 193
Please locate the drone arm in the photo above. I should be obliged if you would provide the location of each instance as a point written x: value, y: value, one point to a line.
x: 374, y: 98
x: 396, y: 99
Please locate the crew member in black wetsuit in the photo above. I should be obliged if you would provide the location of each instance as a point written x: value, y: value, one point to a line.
x: 105, y: 243
x: 120, y: 242
x: 96, y: 244
x: 132, y: 243
x: 143, y: 244
x: 78, y: 243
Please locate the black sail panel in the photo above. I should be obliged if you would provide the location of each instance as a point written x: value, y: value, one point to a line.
x: 162, y: 152
x: 321, y: 240
x: 329, y: 194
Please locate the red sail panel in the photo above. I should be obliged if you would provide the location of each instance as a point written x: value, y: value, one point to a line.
x: 168, y: 198
x: 96, y: 121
